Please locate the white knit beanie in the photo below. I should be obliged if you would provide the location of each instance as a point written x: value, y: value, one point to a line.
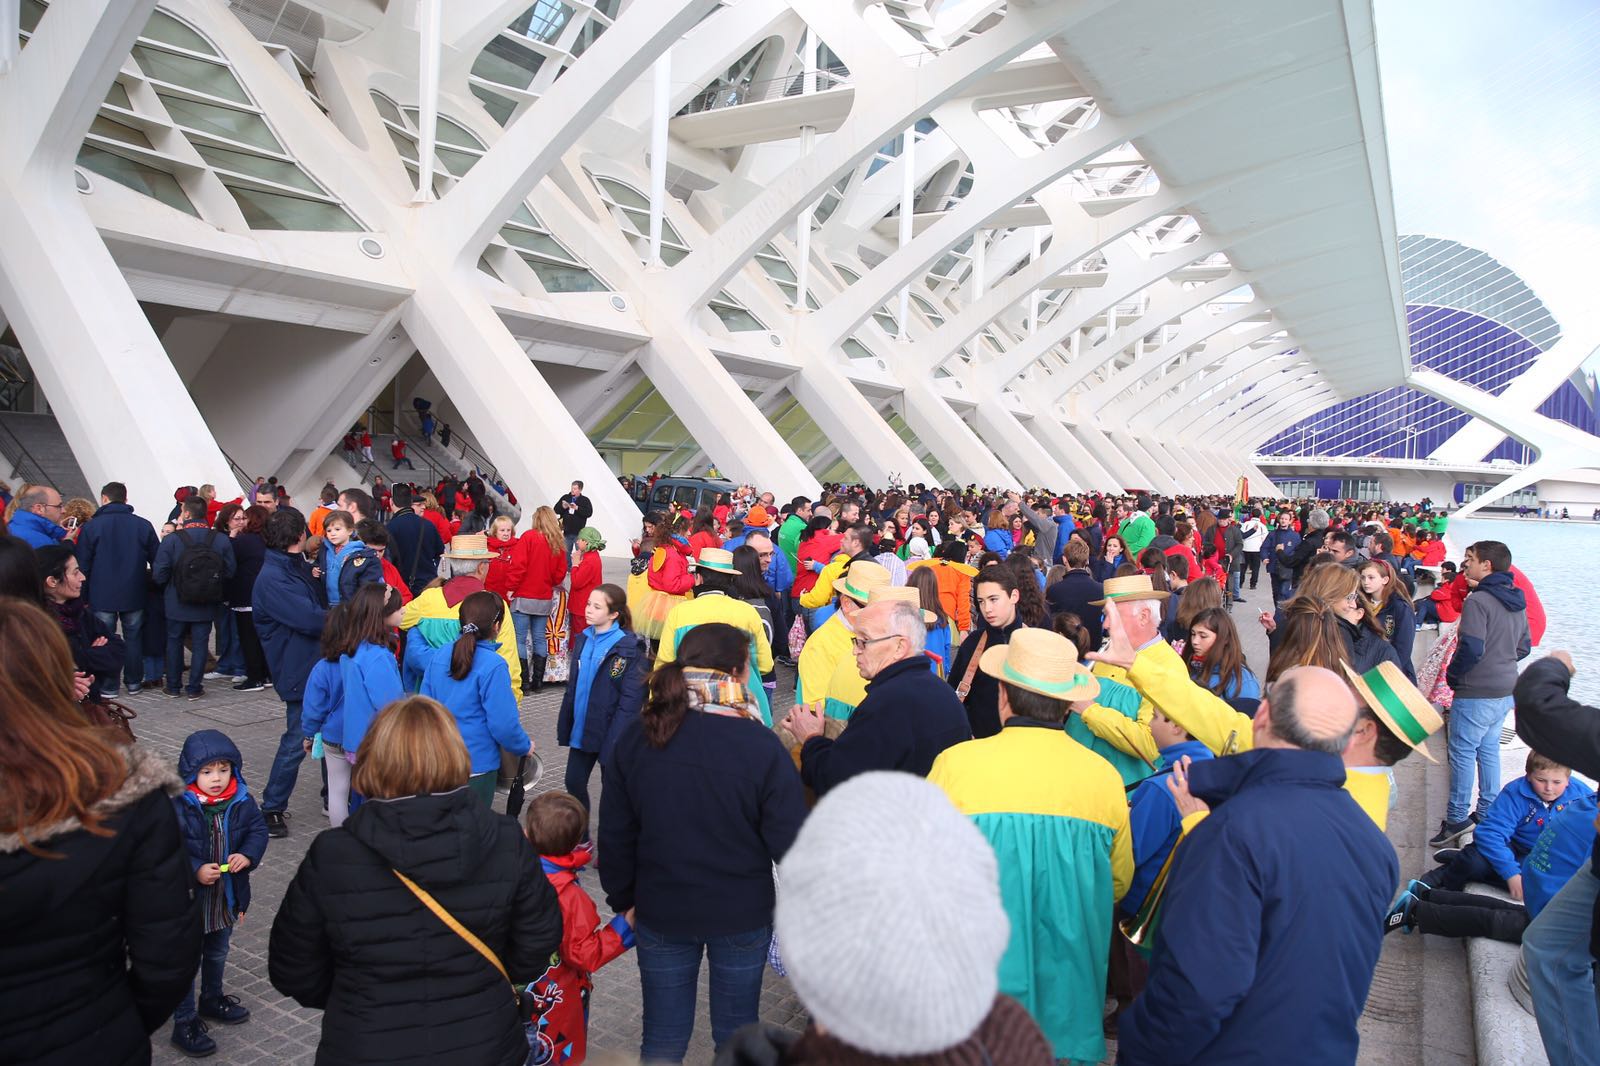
x: 889, y: 917
x: 917, y: 549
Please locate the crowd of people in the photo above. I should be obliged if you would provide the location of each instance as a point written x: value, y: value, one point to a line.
x: 1029, y: 772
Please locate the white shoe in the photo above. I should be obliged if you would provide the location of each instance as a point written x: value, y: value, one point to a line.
x: 216, y: 675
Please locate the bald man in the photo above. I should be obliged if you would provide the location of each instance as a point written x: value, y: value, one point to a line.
x: 1266, y: 945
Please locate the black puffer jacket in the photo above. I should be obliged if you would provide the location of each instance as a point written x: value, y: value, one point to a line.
x: 397, y: 985
x: 98, y: 946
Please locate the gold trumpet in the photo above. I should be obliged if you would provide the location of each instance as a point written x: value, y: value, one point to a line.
x: 1141, y: 928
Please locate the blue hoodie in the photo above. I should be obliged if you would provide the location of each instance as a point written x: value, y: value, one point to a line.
x: 483, y: 704
x: 1154, y: 821
x: 1516, y: 818
x: 244, y: 830
x: 1272, y: 921
x: 1566, y: 841
x: 342, y: 698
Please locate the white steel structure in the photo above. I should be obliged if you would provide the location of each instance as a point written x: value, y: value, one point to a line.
x: 1075, y: 243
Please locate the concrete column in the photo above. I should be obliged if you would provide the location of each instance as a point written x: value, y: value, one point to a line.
x: 1018, y: 448
x: 854, y: 426
x: 944, y: 433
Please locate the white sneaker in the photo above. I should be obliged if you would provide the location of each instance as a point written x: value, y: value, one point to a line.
x: 216, y: 675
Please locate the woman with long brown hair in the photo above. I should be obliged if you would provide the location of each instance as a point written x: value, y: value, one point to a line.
x: 99, y: 938
x: 1338, y: 588
x: 700, y: 800
x: 537, y: 566
x: 1309, y: 636
x: 1216, y: 657
x: 1390, y: 604
x: 354, y: 938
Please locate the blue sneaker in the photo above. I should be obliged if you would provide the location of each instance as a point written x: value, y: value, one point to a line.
x: 224, y: 1009
x: 1399, y: 916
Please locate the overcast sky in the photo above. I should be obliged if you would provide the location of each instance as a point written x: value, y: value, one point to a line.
x: 1493, y: 115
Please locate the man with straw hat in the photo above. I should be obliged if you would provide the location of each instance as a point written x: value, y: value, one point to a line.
x: 714, y: 577
x: 1271, y: 921
x: 1119, y: 717
x: 431, y: 619
x: 1057, y: 817
x: 909, y: 714
x: 827, y: 674
x: 1394, y: 721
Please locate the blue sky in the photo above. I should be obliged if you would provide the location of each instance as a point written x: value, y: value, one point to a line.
x: 1492, y: 109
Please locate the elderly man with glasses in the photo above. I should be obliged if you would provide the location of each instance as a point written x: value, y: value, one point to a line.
x: 38, y: 517
x: 909, y: 716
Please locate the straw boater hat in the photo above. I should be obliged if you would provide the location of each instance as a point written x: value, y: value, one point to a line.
x: 1040, y: 661
x: 715, y: 559
x: 901, y: 594
x: 1398, y: 705
x: 860, y: 578
x: 472, y: 546
x: 1136, y: 587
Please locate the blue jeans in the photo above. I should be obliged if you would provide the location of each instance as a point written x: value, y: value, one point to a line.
x: 528, y: 625
x: 285, y: 764
x: 230, y: 654
x: 669, y: 972
x: 132, y: 640
x: 1561, y: 973
x: 1475, y: 740
x: 213, y: 957
x: 199, y: 634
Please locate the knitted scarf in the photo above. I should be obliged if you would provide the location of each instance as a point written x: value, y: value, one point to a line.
x: 223, y: 797
x: 715, y: 692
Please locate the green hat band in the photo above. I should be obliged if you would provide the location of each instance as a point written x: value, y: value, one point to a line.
x: 1059, y: 688
x: 1410, y: 728
x: 853, y: 592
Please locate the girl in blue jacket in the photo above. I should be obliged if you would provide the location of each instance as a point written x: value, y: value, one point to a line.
x: 472, y: 680
x: 609, y: 664
x: 356, y: 677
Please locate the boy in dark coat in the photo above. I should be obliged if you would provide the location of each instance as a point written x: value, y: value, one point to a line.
x: 226, y: 836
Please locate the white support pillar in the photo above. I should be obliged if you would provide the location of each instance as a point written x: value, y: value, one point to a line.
x: 1019, y: 449
x: 427, y: 95
x: 802, y: 225
x: 979, y: 240
x: 908, y: 193
x: 660, y: 113
x: 10, y: 20
x: 944, y: 433
x: 1033, y: 295
x: 854, y: 426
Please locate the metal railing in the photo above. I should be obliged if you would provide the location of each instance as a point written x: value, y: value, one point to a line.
x: 22, y: 461
x: 724, y: 96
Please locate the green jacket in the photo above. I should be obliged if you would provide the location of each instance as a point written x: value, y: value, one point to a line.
x: 789, y: 540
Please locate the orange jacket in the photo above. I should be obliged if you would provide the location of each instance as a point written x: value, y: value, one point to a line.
x: 955, y: 589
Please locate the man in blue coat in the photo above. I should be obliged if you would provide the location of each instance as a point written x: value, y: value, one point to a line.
x: 187, y: 616
x: 37, y: 519
x: 910, y: 714
x: 1271, y: 924
x: 290, y: 607
x: 115, y: 551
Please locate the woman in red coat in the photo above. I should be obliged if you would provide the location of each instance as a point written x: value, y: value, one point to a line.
x: 586, y: 575
x: 703, y: 534
x: 503, y: 542
x: 537, y: 566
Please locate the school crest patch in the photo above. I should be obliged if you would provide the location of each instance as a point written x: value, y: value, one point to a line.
x: 618, y: 668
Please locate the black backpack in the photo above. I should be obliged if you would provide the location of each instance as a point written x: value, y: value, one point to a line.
x: 198, y: 577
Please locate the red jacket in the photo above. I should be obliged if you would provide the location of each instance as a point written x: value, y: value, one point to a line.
x: 703, y: 540
x: 440, y: 522
x: 1450, y: 598
x: 669, y: 568
x: 391, y: 577
x: 821, y: 549
x: 499, y: 579
x: 562, y: 994
x: 586, y: 577
x: 535, y: 567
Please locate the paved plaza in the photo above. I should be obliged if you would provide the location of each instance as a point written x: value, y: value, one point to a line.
x: 1420, y: 1011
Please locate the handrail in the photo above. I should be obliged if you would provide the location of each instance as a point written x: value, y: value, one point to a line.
x: 20, y: 455
x: 436, y: 472
x: 246, y: 482
x: 722, y: 96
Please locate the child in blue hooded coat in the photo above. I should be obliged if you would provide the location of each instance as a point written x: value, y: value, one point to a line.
x: 606, y: 687
x: 226, y: 837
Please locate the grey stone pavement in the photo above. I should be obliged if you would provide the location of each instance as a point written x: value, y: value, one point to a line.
x: 1420, y: 1010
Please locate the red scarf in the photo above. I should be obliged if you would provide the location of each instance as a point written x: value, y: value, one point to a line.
x: 207, y: 800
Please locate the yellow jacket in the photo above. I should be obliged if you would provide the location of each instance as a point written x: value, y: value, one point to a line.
x: 828, y: 672
x: 1212, y: 721
x: 719, y: 607
x: 820, y: 593
x: 1127, y: 735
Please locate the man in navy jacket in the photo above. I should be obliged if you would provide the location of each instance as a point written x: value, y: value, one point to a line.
x: 910, y: 714
x: 115, y: 551
x: 1272, y: 919
x: 289, y: 607
x: 183, y: 618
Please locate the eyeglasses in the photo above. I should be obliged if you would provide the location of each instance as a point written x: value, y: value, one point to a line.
x: 860, y: 643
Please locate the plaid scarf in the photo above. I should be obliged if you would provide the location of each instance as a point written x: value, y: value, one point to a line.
x: 715, y: 692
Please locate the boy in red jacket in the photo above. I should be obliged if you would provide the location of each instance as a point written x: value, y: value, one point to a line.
x: 558, y: 1029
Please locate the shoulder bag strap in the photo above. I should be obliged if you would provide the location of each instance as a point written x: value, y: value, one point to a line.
x: 456, y: 927
x: 972, y: 668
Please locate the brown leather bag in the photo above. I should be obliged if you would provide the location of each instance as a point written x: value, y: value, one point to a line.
x: 972, y: 668
x: 112, y: 715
